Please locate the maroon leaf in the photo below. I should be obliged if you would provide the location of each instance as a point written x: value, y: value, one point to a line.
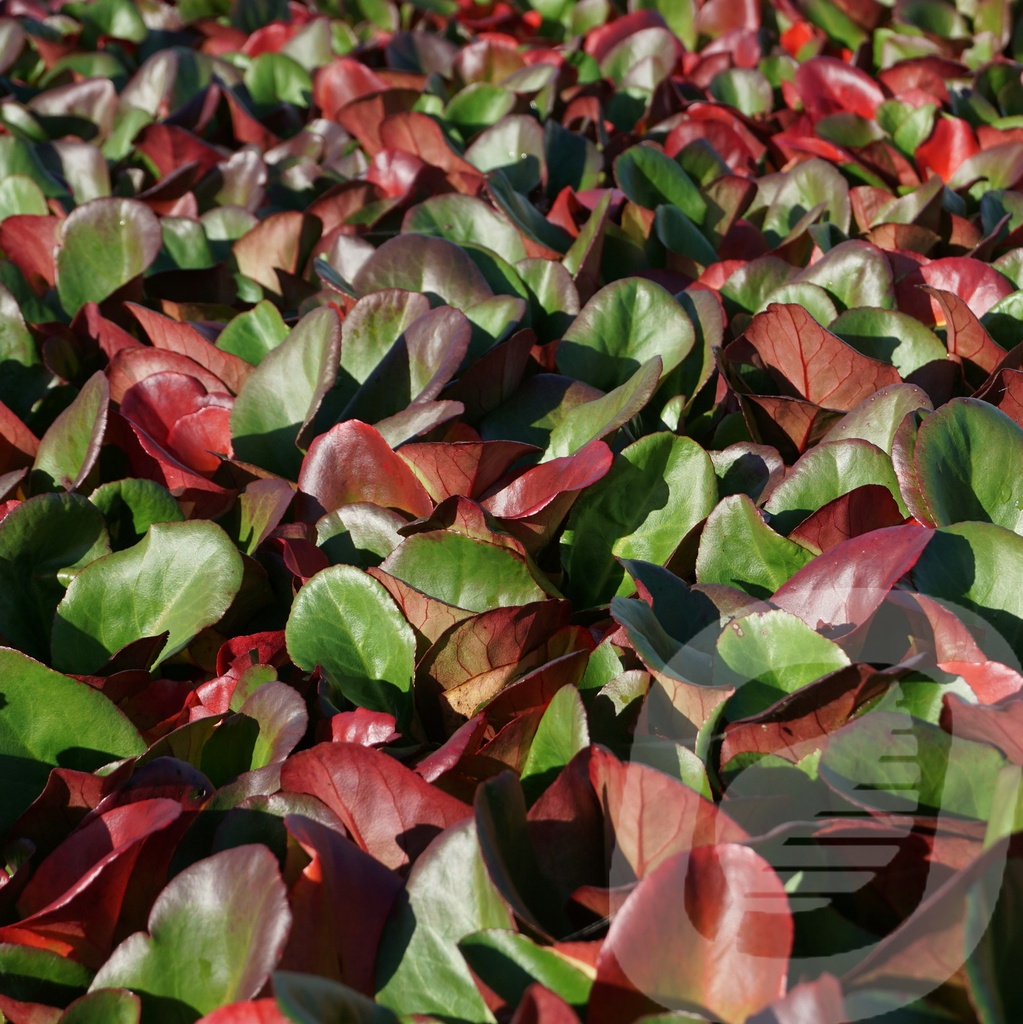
x: 340, y: 904
x: 651, y: 817
x: 74, y: 900
x: 352, y: 462
x: 816, y: 364
x: 997, y: 724
x: 789, y: 424
x: 827, y: 85
x: 862, y: 510
x: 840, y: 589
x: 492, y: 379
x: 390, y: 811
x: 976, y: 283
x: 1004, y: 389
x: 709, y: 930
x: 965, y: 335
x: 257, y: 1011
x: 798, y: 723
x: 428, y: 616
x: 540, y: 1005
x: 467, y: 468
x: 132, y: 365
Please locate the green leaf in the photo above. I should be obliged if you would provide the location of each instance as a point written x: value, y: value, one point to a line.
x: 515, y: 146
x: 310, y: 999
x: 214, y: 934
x: 48, y: 720
x: 805, y: 187
x: 738, y: 549
x: 477, y: 106
x: 274, y: 78
x: 590, y: 421
x: 891, y: 336
x: 656, y: 491
x: 968, y: 462
x: 449, y: 896
x: 562, y: 733
x: 650, y: 178
x: 283, y: 393
x: 104, y: 1006
x: 626, y: 323
x: 509, y: 963
x: 923, y: 769
x: 464, y: 572
x: 877, y: 418
x: 42, y: 542
x: 103, y: 245
x: 69, y: 449
x: 827, y: 472
x: 766, y: 655
x: 131, y: 506
x: 460, y: 218
x: 346, y: 622
x: 181, y: 577
x: 21, y: 195
x: 30, y: 975
x: 24, y: 378
x: 976, y: 568
x: 254, y: 333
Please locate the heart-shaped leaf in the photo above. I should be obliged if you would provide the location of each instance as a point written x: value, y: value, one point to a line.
x: 184, y: 576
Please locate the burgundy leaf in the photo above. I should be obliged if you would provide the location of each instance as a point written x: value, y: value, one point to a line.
x: 861, y: 510
x: 468, y: 468
x: 391, y: 812
x: 709, y: 930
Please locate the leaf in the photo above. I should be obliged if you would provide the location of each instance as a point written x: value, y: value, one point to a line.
x: 463, y: 571
x: 651, y: 179
x: 307, y: 999
x: 182, y: 578
x: 214, y: 935
x: 877, y: 418
x: 656, y: 491
x: 819, y: 366
x: 331, y: 622
x: 709, y: 929
x: 971, y: 567
x: 253, y: 334
x: 508, y: 963
x: 104, y: 244
x: 840, y: 589
x: 625, y: 324
x: 562, y: 733
x: 890, y: 336
x: 461, y: 219
x: 965, y: 463
x: 923, y: 768
x: 29, y: 975
x: 131, y: 506
x: 105, y: 1006
x: 389, y: 811
x: 824, y: 473
x: 435, y: 267
x: 49, y: 720
x: 352, y: 463
x: 68, y: 450
x: 766, y: 655
x: 515, y: 146
x: 450, y: 896
x: 283, y: 393
x: 42, y: 542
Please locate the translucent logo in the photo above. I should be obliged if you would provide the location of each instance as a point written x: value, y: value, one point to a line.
x: 834, y: 828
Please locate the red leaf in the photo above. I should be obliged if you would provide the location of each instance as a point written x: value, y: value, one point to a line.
x: 259, y: 1011
x: 951, y: 142
x: 840, y: 589
x: 991, y: 681
x: 391, y: 812
x: 812, y: 1002
x: 339, y: 904
x: 652, y: 816
x: 370, y: 728
x: 132, y: 365
x: 829, y: 86
x: 29, y: 242
x: 199, y: 437
x: 352, y: 462
x: 184, y: 339
x: 419, y: 134
x: 1004, y: 389
x: 797, y: 724
x: 467, y: 468
x: 709, y: 929
x: 282, y: 241
x: 599, y: 42
x: 18, y: 445
x: 363, y: 115
x: 170, y: 146
x: 73, y: 902
x: 536, y: 488
x: 789, y: 424
x: 540, y: 1005
x: 816, y: 364
x: 427, y: 616
x: 860, y: 511
x: 977, y: 284
x: 341, y: 81
x: 964, y: 333
x: 1000, y: 724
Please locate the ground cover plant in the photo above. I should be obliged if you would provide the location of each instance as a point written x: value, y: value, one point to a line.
x: 511, y: 512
